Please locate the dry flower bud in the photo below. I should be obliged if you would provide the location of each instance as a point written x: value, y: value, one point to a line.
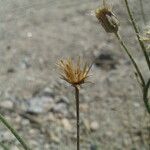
x: 107, y: 19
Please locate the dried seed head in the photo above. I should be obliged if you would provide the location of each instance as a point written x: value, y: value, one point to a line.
x: 145, y: 37
x: 107, y: 18
x: 74, y: 74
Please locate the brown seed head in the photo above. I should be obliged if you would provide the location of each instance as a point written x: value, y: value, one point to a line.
x: 75, y: 74
x: 107, y: 19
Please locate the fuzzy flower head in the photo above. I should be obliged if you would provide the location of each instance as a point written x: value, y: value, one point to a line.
x: 107, y: 18
x: 74, y: 73
x: 145, y: 37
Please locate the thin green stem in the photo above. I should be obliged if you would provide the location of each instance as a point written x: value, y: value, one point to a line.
x: 137, y: 34
x: 131, y: 58
x: 78, y: 116
x: 14, y: 132
x: 145, y: 96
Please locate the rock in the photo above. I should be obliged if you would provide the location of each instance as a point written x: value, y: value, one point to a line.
x: 33, y: 143
x: 8, y: 47
x: 48, y: 92
x: 29, y: 34
x: 32, y: 133
x: 24, y: 64
x: 46, y: 146
x: 84, y: 108
x: 94, y: 126
x: 63, y: 99
x: 17, y: 119
x: 50, y: 117
x: 14, y: 147
x: 106, y: 60
x: 66, y: 124
x: 6, y: 136
x: 25, y: 122
x: 137, y: 105
x: 109, y: 134
x: 60, y: 108
x: 54, y: 138
x: 38, y: 105
x: 7, y: 104
x: 93, y: 147
x: 10, y: 70
x: 126, y: 140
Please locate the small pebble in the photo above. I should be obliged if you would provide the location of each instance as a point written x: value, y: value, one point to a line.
x: 84, y: 108
x: 48, y: 92
x: 63, y: 99
x: 66, y: 124
x: 54, y: 138
x: 7, y: 104
x: 94, y: 126
x: 60, y: 108
x: 40, y: 105
x: 14, y: 148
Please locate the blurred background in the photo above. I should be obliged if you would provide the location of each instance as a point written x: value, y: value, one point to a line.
x: 34, y: 35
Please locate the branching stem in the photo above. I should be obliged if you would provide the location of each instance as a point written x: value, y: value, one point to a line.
x: 137, y: 34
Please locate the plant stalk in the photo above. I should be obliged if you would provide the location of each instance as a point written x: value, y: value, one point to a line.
x: 137, y: 34
x: 14, y: 132
x: 145, y: 96
x: 131, y: 58
x: 78, y: 116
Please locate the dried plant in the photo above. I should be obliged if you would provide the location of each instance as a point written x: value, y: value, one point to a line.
x: 113, y: 26
x: 145, y: 37
x: 145, y: 53
x: 76, y: 75
x: 143, y: 48
x: 107, y: 18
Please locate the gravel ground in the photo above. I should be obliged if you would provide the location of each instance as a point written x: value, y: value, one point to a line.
x: 35, y: 34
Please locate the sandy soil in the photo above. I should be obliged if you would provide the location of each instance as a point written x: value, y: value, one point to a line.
x: 35, y: 34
